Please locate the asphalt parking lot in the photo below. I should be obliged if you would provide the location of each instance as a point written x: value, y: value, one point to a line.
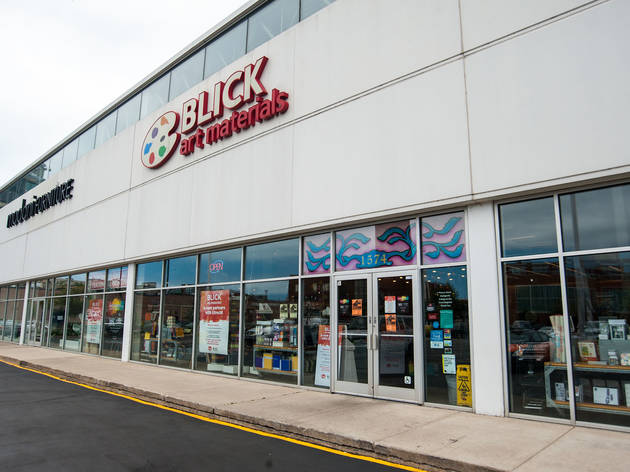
x: 46, y: 424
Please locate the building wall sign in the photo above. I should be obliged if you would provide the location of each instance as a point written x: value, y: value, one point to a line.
x: 58, y: 194
x: 201, y: 117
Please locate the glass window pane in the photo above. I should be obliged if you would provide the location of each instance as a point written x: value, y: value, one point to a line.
x: 17, y: 320
x: 105, y: 129
x: 270, y: 349
x: 217, y: 328
x: 177, y: 327
x: 278, y: 259
x: 70, y: 153
x: 146, y: 328
x: 537, y: 373
x: 187, y: 74
x: 96, y: 281
x: 55, y: 164
x: 113, y: 325
x: 93, y: 324
x: 180, y: 271
x: 117, y: 279
x: 225, y: 49
x: 154, y: 96
x: 21, y: 291
x: 149, y: 275
x: 73, y: 327
x: 445, y: 297
x: 220, y: 266
x: 311, y: 6
x: 384, y: 245
x: 77, y: 283
x: 528, y: 228
x: 443, y: 239
x: 86, y: 141
x: 315, y: 327
x: 316, y: 254
x: 61, y: 285
x: 8, y: 320
x: 128, y: 114
x: 57, y: 321
x: 598, y: 296
x: 270, y: 21
x: 3, y: 307
x: 596, y: 218
x: 47, y: 321
x: 4, y: 292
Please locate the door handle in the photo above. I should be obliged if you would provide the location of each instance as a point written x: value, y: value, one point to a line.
x: 375, y: 342
x: 369, y: 342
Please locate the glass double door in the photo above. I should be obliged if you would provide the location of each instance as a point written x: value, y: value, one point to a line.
x: 376, y: 323
x: 34, y: 322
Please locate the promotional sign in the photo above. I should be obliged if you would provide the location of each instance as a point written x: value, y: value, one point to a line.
x: 214, y: 321
x: 357, y: 307
x: 241, y: 87
x: 437, y: 339
x: 94, y: 318
x: 322, y: 364
x: 448, y: 363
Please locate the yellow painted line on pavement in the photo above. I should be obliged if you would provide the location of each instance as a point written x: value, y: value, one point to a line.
x: 225, y: 423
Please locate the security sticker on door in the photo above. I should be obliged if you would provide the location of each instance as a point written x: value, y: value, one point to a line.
x: 437, y: 339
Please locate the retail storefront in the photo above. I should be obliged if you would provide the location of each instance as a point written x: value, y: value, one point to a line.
x: 422, y: 215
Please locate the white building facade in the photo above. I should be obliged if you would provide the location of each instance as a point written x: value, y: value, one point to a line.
x: 423, y: 201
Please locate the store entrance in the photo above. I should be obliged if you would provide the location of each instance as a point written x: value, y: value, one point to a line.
x: 376, y: 321
x: 34, y: 320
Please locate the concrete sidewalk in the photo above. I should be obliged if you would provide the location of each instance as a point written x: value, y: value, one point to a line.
x: 429, y: 438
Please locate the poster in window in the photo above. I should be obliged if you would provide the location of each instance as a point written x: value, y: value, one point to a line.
x: 344, y: 307
x: 214, y: 321
x: 403, y: 305
x: 94, y: 318
x: 390, y: 322
x: 390, y: 304
x: 322, y: 363
x: 357, y: 307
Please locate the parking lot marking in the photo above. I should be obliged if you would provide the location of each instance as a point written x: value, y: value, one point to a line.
x: 225, y: 423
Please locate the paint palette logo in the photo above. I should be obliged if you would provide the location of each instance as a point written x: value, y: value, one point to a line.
x: 161, y: 140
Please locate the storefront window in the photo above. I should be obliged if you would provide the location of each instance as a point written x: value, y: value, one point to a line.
x: 443, y: 239
x: 146, y: 326
x: 217, y: 328
x: 309, y: 7
x: 96, y: 281
x: 270, y: 21
x: 149, y: 275
x: 8, y: 320
x: 596, y: 218
x: 270, y: 260
x: 3, y: 307
x: 77, y: 283
x: 154, y: 96
x: 535, y: 338
x: 61, y: 286
x: 17, y: 320
x: 598, y: 296
x: 187, y: 74
x: 93, y: 324
x: 113, y: 324
x: 270, y: 348
x: 220, y: 266
x: 73, y: 326
x: 385, y: 245
x: 180, y: 271
x: 117, y: 279
x: 58, y: 316
x: 128, y: 114
x: 226, y: 49
x: 86, y: 142
x: 316, y: 254
x: 446, y: 336
x: 177, y: 327
x: 528, y: 228
x: 316, y: 332
x: 105, y: 129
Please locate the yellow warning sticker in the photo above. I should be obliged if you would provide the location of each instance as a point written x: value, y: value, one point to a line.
x: 464, y: 387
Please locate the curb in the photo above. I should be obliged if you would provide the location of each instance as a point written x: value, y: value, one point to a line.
x: 344, y: 443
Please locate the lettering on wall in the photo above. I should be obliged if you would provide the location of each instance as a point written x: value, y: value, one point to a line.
x: 40, y: 204
x: 207, y: 119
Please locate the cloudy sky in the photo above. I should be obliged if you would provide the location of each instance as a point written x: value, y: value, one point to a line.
x: 65, y: 60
